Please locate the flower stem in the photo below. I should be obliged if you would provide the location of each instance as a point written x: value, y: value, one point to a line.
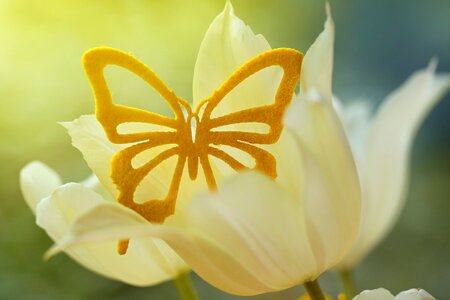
x: 314, y: 290
x: 348, y: 283
x: 185, y: 287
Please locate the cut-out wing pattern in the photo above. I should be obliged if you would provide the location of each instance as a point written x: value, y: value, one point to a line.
x: 191, y: 147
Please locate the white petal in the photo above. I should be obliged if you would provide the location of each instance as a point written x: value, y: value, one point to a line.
x: 356, y: 119
x: 385, y: 169
x: 248, y: 239
x: 37, y: 181
x: 106, y: 221
x: 147, y: 262
x: 227, y: 44
x: 378, y: 294
x: 88, y: 137
x: 290, y: 163
x: 317, y: 65
x: 414, y: 294
x: 94, y: 184
x: 329, y: 186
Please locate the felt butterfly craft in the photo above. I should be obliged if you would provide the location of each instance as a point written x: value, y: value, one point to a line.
x: 193, y: 145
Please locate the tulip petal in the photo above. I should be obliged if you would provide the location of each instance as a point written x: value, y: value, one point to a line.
x: 90, y: 139
x: 317, y: 66
x: 329, y: 186
x: 251, y: 237
x: 37, y: 181
x: 385, y: 168
x: 414, y: 294
x: 378, y: 294
x: 242, y: 240
x: 356, y: 119
x: 228, y: 44
x: 147, y: 262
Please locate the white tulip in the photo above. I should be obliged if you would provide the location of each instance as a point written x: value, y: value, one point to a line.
x: 383, y: 294
x: 57, y: 206
x: 254, y: 235
x: 382, y: 145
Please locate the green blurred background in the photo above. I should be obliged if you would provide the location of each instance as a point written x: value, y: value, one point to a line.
x: 379, y: 43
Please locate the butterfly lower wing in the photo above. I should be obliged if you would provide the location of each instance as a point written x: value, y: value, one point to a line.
x: 127, y: 178
x: 264, y: 160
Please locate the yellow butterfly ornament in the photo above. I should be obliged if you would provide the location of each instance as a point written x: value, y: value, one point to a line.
x: 196, y: 147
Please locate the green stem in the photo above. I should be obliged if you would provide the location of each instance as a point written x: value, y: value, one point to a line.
x: 185, y: 287
x: 314, y: 290
x: 348, y: 283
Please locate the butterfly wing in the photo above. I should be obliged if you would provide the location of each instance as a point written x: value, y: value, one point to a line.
x: 124, y: 172
x: 270, y: 115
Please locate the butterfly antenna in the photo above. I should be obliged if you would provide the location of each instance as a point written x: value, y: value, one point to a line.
x: 187, y: 111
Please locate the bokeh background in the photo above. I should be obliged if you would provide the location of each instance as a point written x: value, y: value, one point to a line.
x: 379, y: 43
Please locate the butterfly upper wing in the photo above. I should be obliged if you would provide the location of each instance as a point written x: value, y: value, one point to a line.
x: 290, y: 61
x: 270, y: 115
x: 111, y: 115
x: 126, y: 176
